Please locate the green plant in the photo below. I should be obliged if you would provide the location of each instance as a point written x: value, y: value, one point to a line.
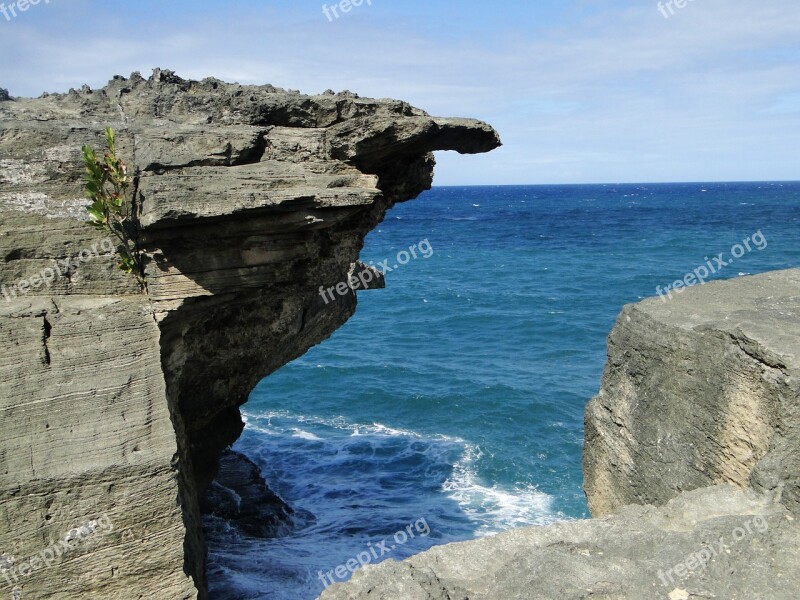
x: 107, y: 183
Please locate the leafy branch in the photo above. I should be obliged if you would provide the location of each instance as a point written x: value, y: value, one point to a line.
x: 107, y: 183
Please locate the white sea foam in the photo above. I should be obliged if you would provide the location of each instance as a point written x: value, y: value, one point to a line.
x: 305, y: 435
x: 252, y: 421
x: 492, y: 508
x: 496, y: 509
x: 315, y: 458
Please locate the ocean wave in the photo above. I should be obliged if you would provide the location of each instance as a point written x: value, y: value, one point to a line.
x: 362, y: 482
x: 279, y: 421
x: 494, y: 508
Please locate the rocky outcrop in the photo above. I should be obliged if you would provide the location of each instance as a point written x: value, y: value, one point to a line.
x: 239, y: 496
x: 711, y: 543
x: 116, y: 404
x: 698, y: 390
x: 695, y: 429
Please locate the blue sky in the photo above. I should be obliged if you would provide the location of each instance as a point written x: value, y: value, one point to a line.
x: 581, y: 91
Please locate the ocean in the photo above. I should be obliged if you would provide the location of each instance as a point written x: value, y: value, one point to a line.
x: 451, y: 405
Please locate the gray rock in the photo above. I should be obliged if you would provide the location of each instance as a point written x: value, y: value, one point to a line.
x: 240, y: 496
x: 699, y: 390
x: 713, y: 543
x: 116, y: 403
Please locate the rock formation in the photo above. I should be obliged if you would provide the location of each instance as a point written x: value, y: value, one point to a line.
x: 116, y: 404
x: 697, y: 430
x: 713, y: 543
x: 699, y: 390
x: 240, y: 496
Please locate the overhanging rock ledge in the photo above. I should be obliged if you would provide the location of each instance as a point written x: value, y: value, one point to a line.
x: 118, y: 404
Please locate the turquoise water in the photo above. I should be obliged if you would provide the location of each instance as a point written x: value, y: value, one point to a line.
x: 455, y: 397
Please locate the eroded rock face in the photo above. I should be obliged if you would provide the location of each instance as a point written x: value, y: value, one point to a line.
x: 118, y: 403
x: 699, y: 390
x: 239, y: 496
x: 713, y: 543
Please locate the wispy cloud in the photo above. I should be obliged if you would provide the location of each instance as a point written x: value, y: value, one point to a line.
x: 592, y: 91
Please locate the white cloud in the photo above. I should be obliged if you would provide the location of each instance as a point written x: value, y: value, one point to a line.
x: 616, y: 94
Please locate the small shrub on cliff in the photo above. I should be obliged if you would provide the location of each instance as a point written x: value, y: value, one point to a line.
x: 107, y: 183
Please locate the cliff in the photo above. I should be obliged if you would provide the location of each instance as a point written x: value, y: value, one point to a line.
x: 117, y: 404
x: 691, y: 465
x: 700, y: 390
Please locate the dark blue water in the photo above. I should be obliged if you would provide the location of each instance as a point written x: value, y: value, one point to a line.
x: 456, y: 396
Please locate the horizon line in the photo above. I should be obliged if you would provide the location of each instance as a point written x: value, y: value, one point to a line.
x: 621, y: 183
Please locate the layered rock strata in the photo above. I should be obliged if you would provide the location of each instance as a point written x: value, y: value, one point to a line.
x: 115, y: 404
x: 699, y: 390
